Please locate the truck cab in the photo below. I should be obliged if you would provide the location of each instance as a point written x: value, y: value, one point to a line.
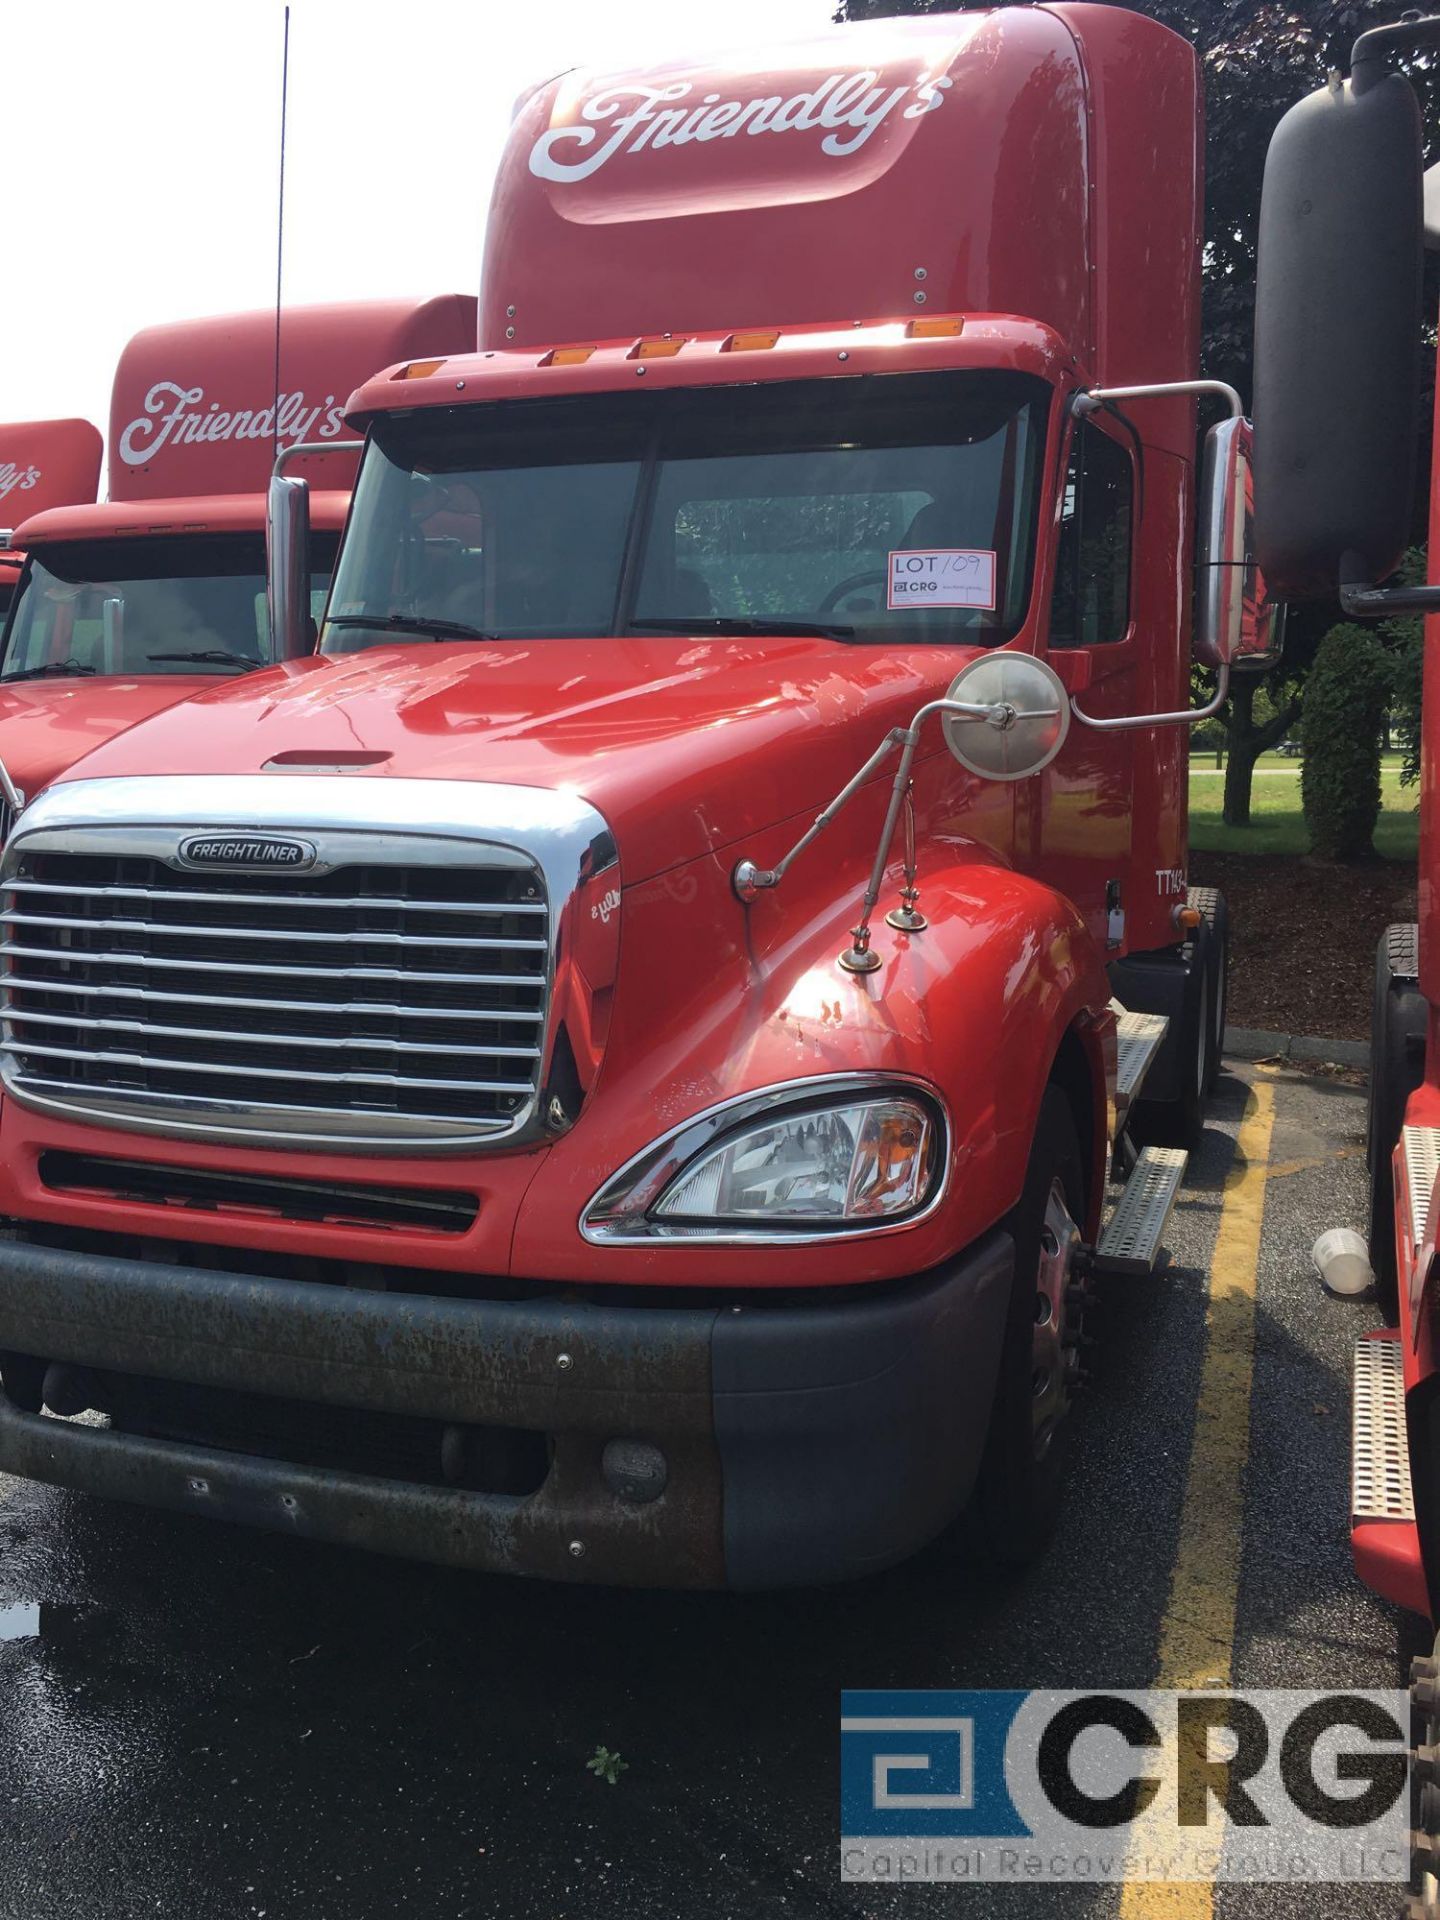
x: 130, y: 605
x: 609, y: 1068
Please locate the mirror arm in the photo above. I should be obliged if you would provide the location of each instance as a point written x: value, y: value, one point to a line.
x: 12, y: 795
x: 1376, y: 603
x: 1096, y: 397
x: 1368, y: 56
x: 748, y: 879
x: 860, y: 956
x: 287, y: 454
x: 1127, y: 722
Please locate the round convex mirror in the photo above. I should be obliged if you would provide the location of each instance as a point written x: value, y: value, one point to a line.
x: 1026, y: 736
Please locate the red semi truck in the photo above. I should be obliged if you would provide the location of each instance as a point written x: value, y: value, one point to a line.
x: 43, y: 463
x: 609, y: 1069
x: 1343, y: 226
x: 1346, y: 214
x: 130, y: 605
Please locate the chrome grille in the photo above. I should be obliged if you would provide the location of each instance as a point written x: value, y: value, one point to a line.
x: 396, y: 997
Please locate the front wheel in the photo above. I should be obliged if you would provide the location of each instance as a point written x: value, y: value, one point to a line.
x: 1018, y: 1490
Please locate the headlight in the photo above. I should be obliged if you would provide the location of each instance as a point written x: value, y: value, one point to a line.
x: 783, y: 1160
x: 869, y: 1161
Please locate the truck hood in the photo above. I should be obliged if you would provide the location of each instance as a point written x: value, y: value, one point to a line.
x: 47, y: 725
x: 683, y: 745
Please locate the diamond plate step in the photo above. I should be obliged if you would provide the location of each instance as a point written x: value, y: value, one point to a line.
x: 1139, y: 1037
x: 1422, y: 1163
x: 1130, y: 1239
x: 1379, y: 1458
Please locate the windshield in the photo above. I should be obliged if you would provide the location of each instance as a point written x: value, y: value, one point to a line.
x: 890, y: 508
x: 179, y: 604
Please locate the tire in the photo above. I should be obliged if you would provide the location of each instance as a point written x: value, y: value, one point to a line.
x: 1213, y: 936
x: 1397, y: 1066
x: 1019, y: 1486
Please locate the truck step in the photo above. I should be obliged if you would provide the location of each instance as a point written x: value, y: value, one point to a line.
x: 1421, y: 1164
x: 1130, y: 1239
x: 1139, y: 1037
x: 1379, y: 1458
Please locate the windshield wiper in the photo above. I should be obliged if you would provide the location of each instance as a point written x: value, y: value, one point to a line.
x: 58, y: 668
x: 213, y: 657
x: 722, y: 623
x: 412, y: 623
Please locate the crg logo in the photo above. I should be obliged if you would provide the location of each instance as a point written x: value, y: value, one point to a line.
x: 246, y: 852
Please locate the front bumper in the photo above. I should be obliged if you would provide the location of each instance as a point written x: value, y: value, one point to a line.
x: 804, y: 1443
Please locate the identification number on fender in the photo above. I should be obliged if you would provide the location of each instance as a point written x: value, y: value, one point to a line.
x: 942, y: 577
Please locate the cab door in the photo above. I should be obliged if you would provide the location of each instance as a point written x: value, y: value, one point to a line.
x: 1077, y: 817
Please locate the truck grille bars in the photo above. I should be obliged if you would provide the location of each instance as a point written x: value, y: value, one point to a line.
x: 395, y: 999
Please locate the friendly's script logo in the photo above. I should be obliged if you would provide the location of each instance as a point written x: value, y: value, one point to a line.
x: 1040, y: 1787
x: 178, y: 416
x: 14, y: 477
x: 848, y: 107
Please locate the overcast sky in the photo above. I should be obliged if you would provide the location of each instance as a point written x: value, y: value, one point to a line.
x: 141, y: 142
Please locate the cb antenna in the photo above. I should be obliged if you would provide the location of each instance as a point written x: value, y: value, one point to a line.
x: 280, y: 228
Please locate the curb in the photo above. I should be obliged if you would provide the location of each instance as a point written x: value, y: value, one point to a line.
x: 1258, y: 1043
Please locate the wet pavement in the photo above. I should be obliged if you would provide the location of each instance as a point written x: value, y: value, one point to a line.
x: 203, y: 1721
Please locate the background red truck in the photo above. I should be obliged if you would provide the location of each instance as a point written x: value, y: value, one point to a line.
x: 130, y: 605
x: 43, y: 463
x: 1346, y: 211
x: 450, y: 1104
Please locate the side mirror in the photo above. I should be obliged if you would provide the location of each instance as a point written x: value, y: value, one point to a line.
x: 287, y: 567
x: 112, y: 634
x: 1236, y: 622
x: 1024, y: 719
x: 1337, y: 330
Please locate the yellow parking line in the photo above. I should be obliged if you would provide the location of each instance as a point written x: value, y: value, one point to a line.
x: 1197, y: 1634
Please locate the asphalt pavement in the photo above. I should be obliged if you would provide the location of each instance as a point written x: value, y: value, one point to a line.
x: 216, y: 1723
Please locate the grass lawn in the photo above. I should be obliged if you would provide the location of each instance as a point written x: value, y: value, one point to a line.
x: 1277, y: 824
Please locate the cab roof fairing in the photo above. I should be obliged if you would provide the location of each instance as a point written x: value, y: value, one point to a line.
x: 1041, y: 161
x: 194, y: 409
x: 46, y: 463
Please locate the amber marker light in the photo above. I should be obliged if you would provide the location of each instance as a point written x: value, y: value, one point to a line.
x: 936, y: 329
x: 889, y: 1161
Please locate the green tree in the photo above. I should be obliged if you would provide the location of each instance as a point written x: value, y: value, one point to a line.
x: 1346, y: 695
x: 1406, y: 640
x: 1258, y: 715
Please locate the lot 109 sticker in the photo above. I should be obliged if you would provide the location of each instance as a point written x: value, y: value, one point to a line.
x: 942, y: 577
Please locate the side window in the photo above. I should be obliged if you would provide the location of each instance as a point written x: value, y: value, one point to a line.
x: 1092, y: 571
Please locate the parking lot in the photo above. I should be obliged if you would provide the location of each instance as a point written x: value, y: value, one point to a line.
x: 205, y: 1721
